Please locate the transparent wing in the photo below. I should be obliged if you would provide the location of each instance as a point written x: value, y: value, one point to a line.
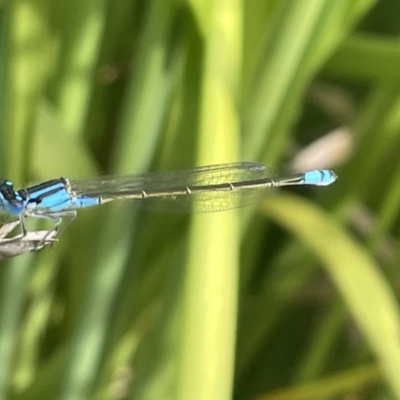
x: 131, y: 186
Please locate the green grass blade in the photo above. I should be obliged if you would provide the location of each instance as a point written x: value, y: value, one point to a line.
x: 355, y: 274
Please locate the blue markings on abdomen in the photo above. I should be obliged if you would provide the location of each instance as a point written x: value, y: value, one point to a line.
x: 319, y: 177
x: 82, y: 200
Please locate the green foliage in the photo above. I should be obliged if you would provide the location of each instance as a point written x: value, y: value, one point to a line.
x: 295, y: 298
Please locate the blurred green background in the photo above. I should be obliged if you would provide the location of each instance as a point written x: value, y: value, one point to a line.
x: 294, y: 298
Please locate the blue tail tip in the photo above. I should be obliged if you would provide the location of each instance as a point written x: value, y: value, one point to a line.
x: 319, y: 177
